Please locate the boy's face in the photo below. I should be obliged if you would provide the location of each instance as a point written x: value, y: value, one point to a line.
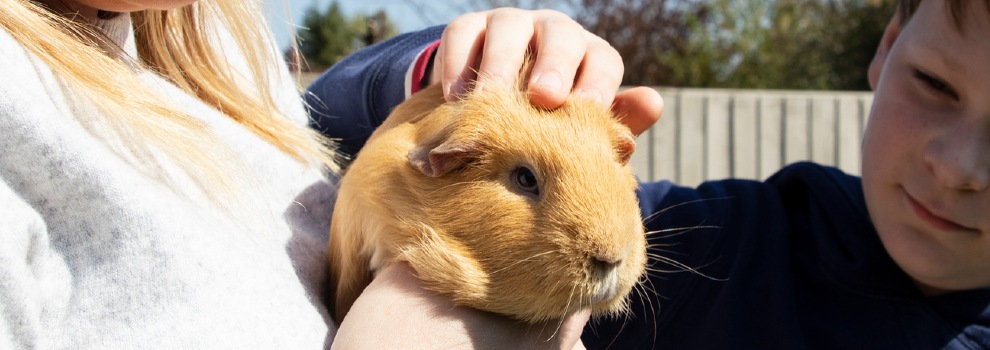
x: 926, y: 152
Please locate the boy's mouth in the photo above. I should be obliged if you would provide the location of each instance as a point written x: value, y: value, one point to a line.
x: 935, y: 220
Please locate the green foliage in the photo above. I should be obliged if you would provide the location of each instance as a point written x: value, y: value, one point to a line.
x: 770, y: 44
x: 328, y: 36
x: 372, y: 29
x: 783, y: 44
x: 325, y: 38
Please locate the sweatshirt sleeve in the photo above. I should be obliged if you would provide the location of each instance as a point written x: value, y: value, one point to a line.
x: 35, y: 283
x: 349, y: 100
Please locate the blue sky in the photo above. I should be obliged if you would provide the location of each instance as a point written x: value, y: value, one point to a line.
x: 406, y: 16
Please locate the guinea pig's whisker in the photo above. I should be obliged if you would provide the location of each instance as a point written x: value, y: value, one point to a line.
x: 560, y: 323
x: 625, y: 321
x: 667, y: 253
x: 681, y: 267
x: 645, y: 292
x: 534, y: 256
x: 646, y: 289
x: 677, y: 231
x: 650, y: 218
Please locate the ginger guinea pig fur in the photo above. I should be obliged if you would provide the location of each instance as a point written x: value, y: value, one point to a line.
x: 500, y: 205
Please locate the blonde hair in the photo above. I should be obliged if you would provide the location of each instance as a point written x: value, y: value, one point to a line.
x: 177, y: 45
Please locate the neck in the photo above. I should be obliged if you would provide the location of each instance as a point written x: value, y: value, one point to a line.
x: 72, y: 9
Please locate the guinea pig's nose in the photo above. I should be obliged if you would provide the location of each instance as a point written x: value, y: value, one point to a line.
x: 605, y: 265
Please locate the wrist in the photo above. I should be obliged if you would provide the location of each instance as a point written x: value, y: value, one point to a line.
x: 421, y: 74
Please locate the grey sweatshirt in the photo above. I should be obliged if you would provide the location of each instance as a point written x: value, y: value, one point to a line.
x: 96, y: 254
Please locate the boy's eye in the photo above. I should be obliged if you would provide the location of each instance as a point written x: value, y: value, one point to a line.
x: 935, y: 84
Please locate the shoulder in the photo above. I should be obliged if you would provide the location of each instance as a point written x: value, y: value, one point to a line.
x: 813, y: 183
x: 16, y: 59
x: 813, y: 174
x: 29, y: 88
x: 798, y: 181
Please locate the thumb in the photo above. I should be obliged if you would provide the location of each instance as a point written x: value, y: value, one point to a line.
x: 639, y: 108
x: 571, y: 329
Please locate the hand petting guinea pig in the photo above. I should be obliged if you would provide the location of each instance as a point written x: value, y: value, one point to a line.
x: 500, y: 205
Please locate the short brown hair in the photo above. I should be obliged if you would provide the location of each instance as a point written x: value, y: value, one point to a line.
x: 906, y: 9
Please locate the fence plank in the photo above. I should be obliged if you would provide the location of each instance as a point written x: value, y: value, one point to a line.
x: 823, y: 129
x: 849, y: 133
x: 691, y: 138
x: 771, y: 135
x: 718, y: 137
x: 641, y: 158
x: 796, y: 129
x: 663, y: 144
x: 745, y: 137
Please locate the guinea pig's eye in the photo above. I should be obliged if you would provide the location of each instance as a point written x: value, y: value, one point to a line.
x: 524, y: 178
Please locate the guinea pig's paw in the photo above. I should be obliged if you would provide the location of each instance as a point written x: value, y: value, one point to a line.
x: 446, y: 267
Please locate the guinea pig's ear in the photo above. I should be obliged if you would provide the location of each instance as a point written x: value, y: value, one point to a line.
x: 624, y: 146
x: 439, y: 160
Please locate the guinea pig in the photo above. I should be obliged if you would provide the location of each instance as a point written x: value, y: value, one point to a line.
x: 500, y: 205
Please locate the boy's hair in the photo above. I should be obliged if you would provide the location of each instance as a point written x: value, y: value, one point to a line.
x: 906, y: 9
x: 181, y: 45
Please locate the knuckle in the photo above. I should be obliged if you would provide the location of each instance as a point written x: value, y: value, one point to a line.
x: 509, y: 15
x: 464, y: 23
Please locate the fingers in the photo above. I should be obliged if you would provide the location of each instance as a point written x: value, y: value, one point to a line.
x: 505, y: 47
x: 557, y: 334
x: 459, y: 53
x: 639, y: 108
x: 561, y: 48
x: 571, y: 328
x: 601, y: 72
x: 490, y: 47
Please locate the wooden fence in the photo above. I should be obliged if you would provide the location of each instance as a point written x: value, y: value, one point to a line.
x: 718, y: 134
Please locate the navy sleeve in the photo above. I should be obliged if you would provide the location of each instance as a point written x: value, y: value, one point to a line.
x: 352, y: 98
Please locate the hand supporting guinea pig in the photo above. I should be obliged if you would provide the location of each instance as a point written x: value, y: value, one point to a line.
x: 395, y: 308
x: 569, y: 61
x: 399, y: 313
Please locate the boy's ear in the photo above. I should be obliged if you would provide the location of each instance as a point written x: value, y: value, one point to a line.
x: 890, y: 35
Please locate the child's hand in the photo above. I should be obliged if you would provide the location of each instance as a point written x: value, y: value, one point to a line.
x: 569, y: 60
x: 395, y: 311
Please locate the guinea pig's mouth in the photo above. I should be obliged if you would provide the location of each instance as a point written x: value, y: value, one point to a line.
x: 606, y: 288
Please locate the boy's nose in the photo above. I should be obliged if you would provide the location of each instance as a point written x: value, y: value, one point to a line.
x: 961, y: 161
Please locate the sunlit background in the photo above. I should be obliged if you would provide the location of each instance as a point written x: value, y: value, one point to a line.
x: 762, y: 44
x: 407, y: 15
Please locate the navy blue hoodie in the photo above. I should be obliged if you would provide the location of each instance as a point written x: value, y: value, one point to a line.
x: 790, y: 263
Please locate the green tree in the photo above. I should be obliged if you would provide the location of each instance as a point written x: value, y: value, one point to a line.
x: 370, y: 29
x: 328, y: 36
x: 325, y: 38
x: 797, y: 44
